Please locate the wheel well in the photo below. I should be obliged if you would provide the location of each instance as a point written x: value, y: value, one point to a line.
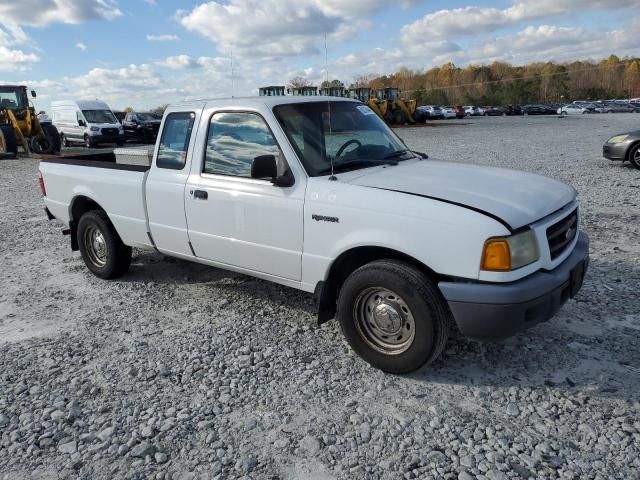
x: 79, y: 207
x: 631, y: 147
x: 349, y: 261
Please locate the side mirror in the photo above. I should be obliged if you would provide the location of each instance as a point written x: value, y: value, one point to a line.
x: 33, y: 93
x: 81, y: 123
x: 266, y: 167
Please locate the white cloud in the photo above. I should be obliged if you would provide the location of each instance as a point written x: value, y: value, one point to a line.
x: 81, y: 46
x: 554, y: 43
x: 162, y: 38
x: 180, y: 62
x: 472, y: 20
x: 279, y: 28
x: 16, y: 60
x: 44, y: 12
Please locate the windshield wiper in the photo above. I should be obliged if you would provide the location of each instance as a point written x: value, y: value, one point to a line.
x: 397, y: 153
x: 355, y: 164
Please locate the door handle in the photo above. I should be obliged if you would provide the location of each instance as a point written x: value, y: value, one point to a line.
x: 201, y: 194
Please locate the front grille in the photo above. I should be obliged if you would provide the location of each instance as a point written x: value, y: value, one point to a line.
x: 560, y: 235
x: 110, y: 131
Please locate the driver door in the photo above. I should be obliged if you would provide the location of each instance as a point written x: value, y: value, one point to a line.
x: 237, y: 220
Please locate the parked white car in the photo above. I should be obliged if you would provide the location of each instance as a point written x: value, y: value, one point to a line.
x: 572, y: 109
x: 319, y: 194
x: 448, y: 112
x: 90, y: 122
x: 473, y: 111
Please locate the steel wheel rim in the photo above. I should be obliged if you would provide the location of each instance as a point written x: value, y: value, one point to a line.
x: 96, y: 246
x: 384, y: 321
x: 636, y: 155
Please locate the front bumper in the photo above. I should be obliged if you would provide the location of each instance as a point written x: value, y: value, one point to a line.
x: 107, y: 138
x: 616, y: 151
x: 492, y: 311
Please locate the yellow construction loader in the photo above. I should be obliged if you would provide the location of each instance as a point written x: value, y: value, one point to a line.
x: 20, y: 126
x: 387, y: 104
x: 396, y: 110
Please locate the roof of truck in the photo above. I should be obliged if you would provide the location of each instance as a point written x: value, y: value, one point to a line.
x: 268, y: 101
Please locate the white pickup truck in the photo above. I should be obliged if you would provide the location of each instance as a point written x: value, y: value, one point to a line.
x: 320, y: 195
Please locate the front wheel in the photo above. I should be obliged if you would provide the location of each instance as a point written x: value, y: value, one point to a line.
x: 88, y: 142
x: 101, y: 247
x: 393, y: 316
x: 634, y: 156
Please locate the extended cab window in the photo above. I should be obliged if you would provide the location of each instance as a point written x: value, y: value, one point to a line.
x: 174, y: 143
x: 234, y: 140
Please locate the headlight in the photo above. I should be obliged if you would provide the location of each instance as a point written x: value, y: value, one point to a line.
x: 618, y: 139
x: 94, y: 129
x: 509, y: 253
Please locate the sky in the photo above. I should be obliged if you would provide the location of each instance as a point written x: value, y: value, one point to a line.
x: 144, y: 53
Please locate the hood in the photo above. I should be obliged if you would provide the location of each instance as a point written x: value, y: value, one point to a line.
x: 516, y: 198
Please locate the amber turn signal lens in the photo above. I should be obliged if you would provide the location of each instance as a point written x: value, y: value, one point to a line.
x: 496, y: 256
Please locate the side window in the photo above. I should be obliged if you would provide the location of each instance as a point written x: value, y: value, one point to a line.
x: 174, y: 142
x: 234, y: 140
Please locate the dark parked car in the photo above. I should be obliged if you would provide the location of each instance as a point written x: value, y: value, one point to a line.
x: 120, y: 116
x: 624, y: 147
x: 513, y: 110
x: 539, y: 110
x: 615, y: 107
x: 141, y: 126
x: 494, y: 112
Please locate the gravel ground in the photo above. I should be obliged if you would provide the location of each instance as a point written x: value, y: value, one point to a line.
x: 179, y: 371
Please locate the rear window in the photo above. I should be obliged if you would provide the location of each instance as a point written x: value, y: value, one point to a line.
x: 174, y: 142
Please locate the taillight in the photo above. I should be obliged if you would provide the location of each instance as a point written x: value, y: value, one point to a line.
x: 41, y: 183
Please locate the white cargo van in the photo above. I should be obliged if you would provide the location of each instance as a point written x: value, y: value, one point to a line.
x: 86, y: 121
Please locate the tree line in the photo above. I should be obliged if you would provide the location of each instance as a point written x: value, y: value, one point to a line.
x: 501, y: 83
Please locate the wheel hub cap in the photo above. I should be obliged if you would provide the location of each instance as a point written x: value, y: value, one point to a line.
x: 387, y: 318
x: 96, y: 246
x: 384, y: 321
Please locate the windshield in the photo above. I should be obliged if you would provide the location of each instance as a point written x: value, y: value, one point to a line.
x: 145, y: 117
x: 354, y: 138
x: 99, y: 116
x: 11, y: 99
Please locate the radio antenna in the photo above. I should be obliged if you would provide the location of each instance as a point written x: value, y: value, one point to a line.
x: 326, y: 71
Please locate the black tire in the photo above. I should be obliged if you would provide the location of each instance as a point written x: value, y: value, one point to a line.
x: 634, y: 155
x: 399, y: 117
x: 119, y: 143
x: 10, y: 139
x: 108, y: 257
x: 51, y: 132
x: 40, y: 144
x: 88, y: 142
x: 426, y: 306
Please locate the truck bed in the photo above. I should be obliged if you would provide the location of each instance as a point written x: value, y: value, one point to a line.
x: 117, y: 188
x: 96, y: 160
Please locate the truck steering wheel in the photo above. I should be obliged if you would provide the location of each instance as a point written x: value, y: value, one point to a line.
x: 343, y: 147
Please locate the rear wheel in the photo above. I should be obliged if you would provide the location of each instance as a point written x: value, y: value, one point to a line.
x: 51, y: 132
x: 10, y: 140
x: 40, y: 144
x: 634, y: 155
x: 393, y: 316
x: 101, y: 247
x: 399, y: 117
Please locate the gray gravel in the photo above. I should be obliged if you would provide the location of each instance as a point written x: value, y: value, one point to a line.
x: 178, y: 371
